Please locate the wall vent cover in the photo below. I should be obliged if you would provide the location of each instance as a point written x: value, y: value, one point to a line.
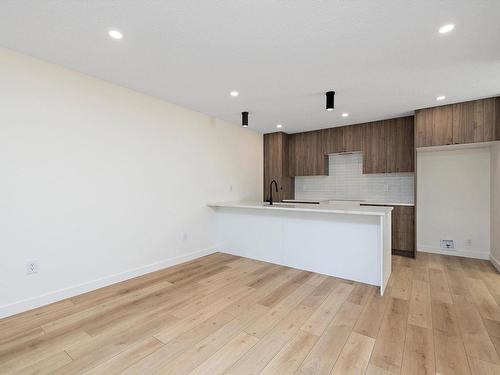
x: 447, y: 245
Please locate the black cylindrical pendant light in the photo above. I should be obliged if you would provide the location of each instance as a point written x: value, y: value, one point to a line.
x: 330, y: 96
x: 244, y: 119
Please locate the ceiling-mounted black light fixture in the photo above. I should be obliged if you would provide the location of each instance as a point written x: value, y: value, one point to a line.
x: 244, y: 119
x: 330, y: 96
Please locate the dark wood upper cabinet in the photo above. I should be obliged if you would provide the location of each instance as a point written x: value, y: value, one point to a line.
x: 352, y: 136
x: 467, y: 122
x: 434, y: 126
x: 474, y: 121
x: 400, y: 145
x: 332, y: 140
x: 276, y: 159
x: 374, y: 147
x: 306, y: 157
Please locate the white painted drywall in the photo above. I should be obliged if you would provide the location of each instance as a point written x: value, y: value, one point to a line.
x: 453, y: 200
x: 495, y: 204
x: 100, y: 183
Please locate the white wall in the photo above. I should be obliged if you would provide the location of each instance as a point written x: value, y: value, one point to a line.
x: 453, y: 200
x: 495, y: 204
x: 100, y: 183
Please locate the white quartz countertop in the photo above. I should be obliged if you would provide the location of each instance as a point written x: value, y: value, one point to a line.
x: 357, y: 201
x: 343, y: 208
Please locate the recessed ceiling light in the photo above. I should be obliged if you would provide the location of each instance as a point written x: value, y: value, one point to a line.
x: 345, y: 114
x: 441, y: 97
x: 446, y: 28
x: 279, y: 126
x: 234, y: 93
x: 115, y: 34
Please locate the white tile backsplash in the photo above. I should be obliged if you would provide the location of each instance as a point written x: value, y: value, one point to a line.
x: 347, y: 181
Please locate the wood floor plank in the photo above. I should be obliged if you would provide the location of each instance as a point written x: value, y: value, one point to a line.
x: 361, y: 294
x: 484, y: 301
x: 355, y: 355
x: 187, y: 323
x: 402, y: 283
x: 374, y: 370
x: 291, y: 356
x: 326, y: 351
x: 475, y: 337
x: 44, y: 347
x: 46, y: 365
x: 439, y: 286
x: 420, y: 313
x: 126, y: 358
x: 372, y: 316
x: 227, y: 356
x: 199, y: 353
x: 479, y: 367
x: 275, y: 315
x: 450, y: 354
x: 444, y: 318
x: 418, y: 356
x: 161, y: 357
x: 388, y: 351
x: 104, y: 347
x: 254, y: 361
x: 322, y: 317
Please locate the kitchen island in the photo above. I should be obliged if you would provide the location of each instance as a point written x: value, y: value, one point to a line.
x: 347, y: 241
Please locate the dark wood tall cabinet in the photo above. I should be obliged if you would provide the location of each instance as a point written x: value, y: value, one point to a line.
x: 276, y: 160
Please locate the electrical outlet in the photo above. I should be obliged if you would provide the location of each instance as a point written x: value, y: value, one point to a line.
x: 184, y: 236
x: 468, y: 242
x: 447, y: 244
x: 32, y: 267
x: 386, y: 188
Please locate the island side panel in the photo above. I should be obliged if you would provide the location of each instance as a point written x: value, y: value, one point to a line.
x: 386, y: 251
x: 340, y: 245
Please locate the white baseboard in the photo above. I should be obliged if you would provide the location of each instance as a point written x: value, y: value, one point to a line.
x: 456, y: 253
x: 495, y: 262
x: 58, y: 295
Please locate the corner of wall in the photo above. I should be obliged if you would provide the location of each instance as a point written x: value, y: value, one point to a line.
x: 495, y: 205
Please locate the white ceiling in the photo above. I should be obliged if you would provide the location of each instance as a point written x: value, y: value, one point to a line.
x: 384, y: 58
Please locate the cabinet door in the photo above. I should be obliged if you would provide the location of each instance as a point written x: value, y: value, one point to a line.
x: 353, y: 136
x: 374, y: 147
x: 276, y: 166
x: 403, y: 228
x: 332, y: 140
x: 400, y: 145
x: 474, y: 121
x: 307, y: 159
x: 434, y: 126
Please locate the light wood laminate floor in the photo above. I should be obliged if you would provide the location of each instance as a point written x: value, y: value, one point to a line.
x: 225, y: 314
